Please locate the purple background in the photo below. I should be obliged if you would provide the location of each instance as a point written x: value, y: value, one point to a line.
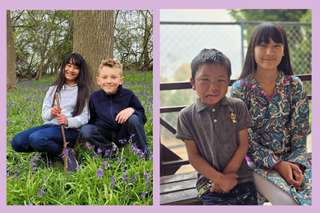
x: 156, y: 6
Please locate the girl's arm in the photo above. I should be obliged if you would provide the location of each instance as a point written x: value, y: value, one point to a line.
x: 239, y: 154
x: 47, y: 105
x: 80, y: 120
x: 299, y: 124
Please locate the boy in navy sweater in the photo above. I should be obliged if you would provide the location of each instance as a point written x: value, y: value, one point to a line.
x: 115, y: 112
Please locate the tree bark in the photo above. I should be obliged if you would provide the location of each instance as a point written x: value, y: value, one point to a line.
x: 11, y: 56
x: 93, y: 39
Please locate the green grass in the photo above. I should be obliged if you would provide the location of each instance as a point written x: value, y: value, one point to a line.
x: 125, y: 180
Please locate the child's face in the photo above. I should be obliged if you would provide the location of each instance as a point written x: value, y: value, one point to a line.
x: 268, y: 56
x: 211, y: 83
x: 71, y: 72
x: 109, y: 79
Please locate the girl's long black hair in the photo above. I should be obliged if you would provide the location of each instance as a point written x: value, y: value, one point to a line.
x: 82, y: 81
x: 262, y: 33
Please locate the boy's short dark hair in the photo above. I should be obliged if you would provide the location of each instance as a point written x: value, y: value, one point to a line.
x: 210, y: 56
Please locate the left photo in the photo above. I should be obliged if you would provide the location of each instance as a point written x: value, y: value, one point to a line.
x: 79, y: 107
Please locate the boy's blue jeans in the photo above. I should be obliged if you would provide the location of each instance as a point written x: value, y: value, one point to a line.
x: 45, y: 138
x: 102, y: 138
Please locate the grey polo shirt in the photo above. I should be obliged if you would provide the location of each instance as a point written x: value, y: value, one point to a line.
x: 215, y: 131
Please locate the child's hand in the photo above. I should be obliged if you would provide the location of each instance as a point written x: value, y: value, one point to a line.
x: 62, y: 119
x: 55, y: 111
x: 287, y: 171
x: 124, y: 115
x: 215, y: 188
x: 228, y: 181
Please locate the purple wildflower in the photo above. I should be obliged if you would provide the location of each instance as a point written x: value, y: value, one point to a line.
x: 30, y: 204
x: 41, y: 192
x: 50, y: 163
x: 107, y: 152
x: 118, y: 159
x: 44, y: 180
x: 95, y: 156
x: 100, y: 173
x: 20, y: 166
x: 28, y: 99
x: 105, y: 165
x: 124, y: 177
x: 114, y: 148
x: 99, y: 150
x: 121, y: 141
x: 68, y: 172
x: 122, y: 160
x: 113, y: 180
x: 147, y: 175
x: 151, y: 156
x: 79, y: 167
x: 143, y: 194
x: 127, y: 192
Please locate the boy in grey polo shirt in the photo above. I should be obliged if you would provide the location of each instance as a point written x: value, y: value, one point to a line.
x: 215, y: 132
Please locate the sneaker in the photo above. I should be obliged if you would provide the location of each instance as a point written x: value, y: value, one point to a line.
x: 72, y: 162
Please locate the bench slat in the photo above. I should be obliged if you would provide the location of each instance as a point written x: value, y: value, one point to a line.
x: 179, y: 177
x: 187, y: 197
x: 178, y: 186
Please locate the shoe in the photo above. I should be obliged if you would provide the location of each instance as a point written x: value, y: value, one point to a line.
x: 72, y: 162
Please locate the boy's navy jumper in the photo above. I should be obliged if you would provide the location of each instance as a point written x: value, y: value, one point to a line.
x: 103, y: 129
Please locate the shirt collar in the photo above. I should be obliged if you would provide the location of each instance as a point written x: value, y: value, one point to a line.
x: 201, y: 106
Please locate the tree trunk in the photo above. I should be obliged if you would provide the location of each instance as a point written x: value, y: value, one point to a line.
x: 11, y: 56
x: 93, y: 39
x: 44, y: 49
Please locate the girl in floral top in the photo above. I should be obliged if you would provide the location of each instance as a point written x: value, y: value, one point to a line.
x: 278, y: 105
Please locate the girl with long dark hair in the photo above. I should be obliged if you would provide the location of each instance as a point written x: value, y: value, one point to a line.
x: 73, y: 89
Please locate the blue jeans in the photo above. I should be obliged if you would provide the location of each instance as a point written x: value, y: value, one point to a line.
x: 45, y: 138
x: 241, y: 194
x: 102, y: 138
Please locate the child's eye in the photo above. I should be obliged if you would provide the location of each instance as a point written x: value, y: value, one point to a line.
x: 277, y: 45
x: 263, y: 45
x: 205, y: 79
x: 221, y: 79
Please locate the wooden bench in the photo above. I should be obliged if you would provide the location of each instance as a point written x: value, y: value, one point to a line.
x: 181, y: 189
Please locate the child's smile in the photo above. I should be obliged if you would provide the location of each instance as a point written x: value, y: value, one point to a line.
x: 211, y: 83
x: 109, y: 79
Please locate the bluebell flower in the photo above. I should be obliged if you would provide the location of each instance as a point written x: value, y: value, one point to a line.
x: 143, y: 194
x: 114, y: 148
x: 121, y: 141
x: 95, y: 156
x: 118, y: 159
x: 99, y: 150
x: 44, y: 180
x: 107, y: 152
x: 113, y: 180
x: 127, y: 192
x: 100, y: 173
x: 79, y: 167
x: 41, y: 192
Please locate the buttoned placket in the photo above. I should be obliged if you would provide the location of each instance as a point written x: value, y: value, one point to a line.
x: 215, y: 120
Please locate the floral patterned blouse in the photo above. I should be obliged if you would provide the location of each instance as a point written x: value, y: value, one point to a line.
x: 280, y: 131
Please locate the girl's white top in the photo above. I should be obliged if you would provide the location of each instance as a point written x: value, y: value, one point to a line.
x: 67, y: 99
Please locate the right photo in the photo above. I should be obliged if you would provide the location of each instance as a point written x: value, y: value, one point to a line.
x: 235, y: 107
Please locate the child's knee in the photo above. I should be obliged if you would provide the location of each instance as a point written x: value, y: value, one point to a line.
x: 16, y: 144
x: 134, y: 120
x: 86, y: 131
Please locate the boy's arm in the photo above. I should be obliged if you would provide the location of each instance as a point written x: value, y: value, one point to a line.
x: 92, y: 111
x: 225, y: 181
x: 239, y: 154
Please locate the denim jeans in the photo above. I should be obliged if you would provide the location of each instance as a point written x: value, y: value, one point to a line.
x: 102, y: 138
x: 241, y: 194
x: 45, y: 138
